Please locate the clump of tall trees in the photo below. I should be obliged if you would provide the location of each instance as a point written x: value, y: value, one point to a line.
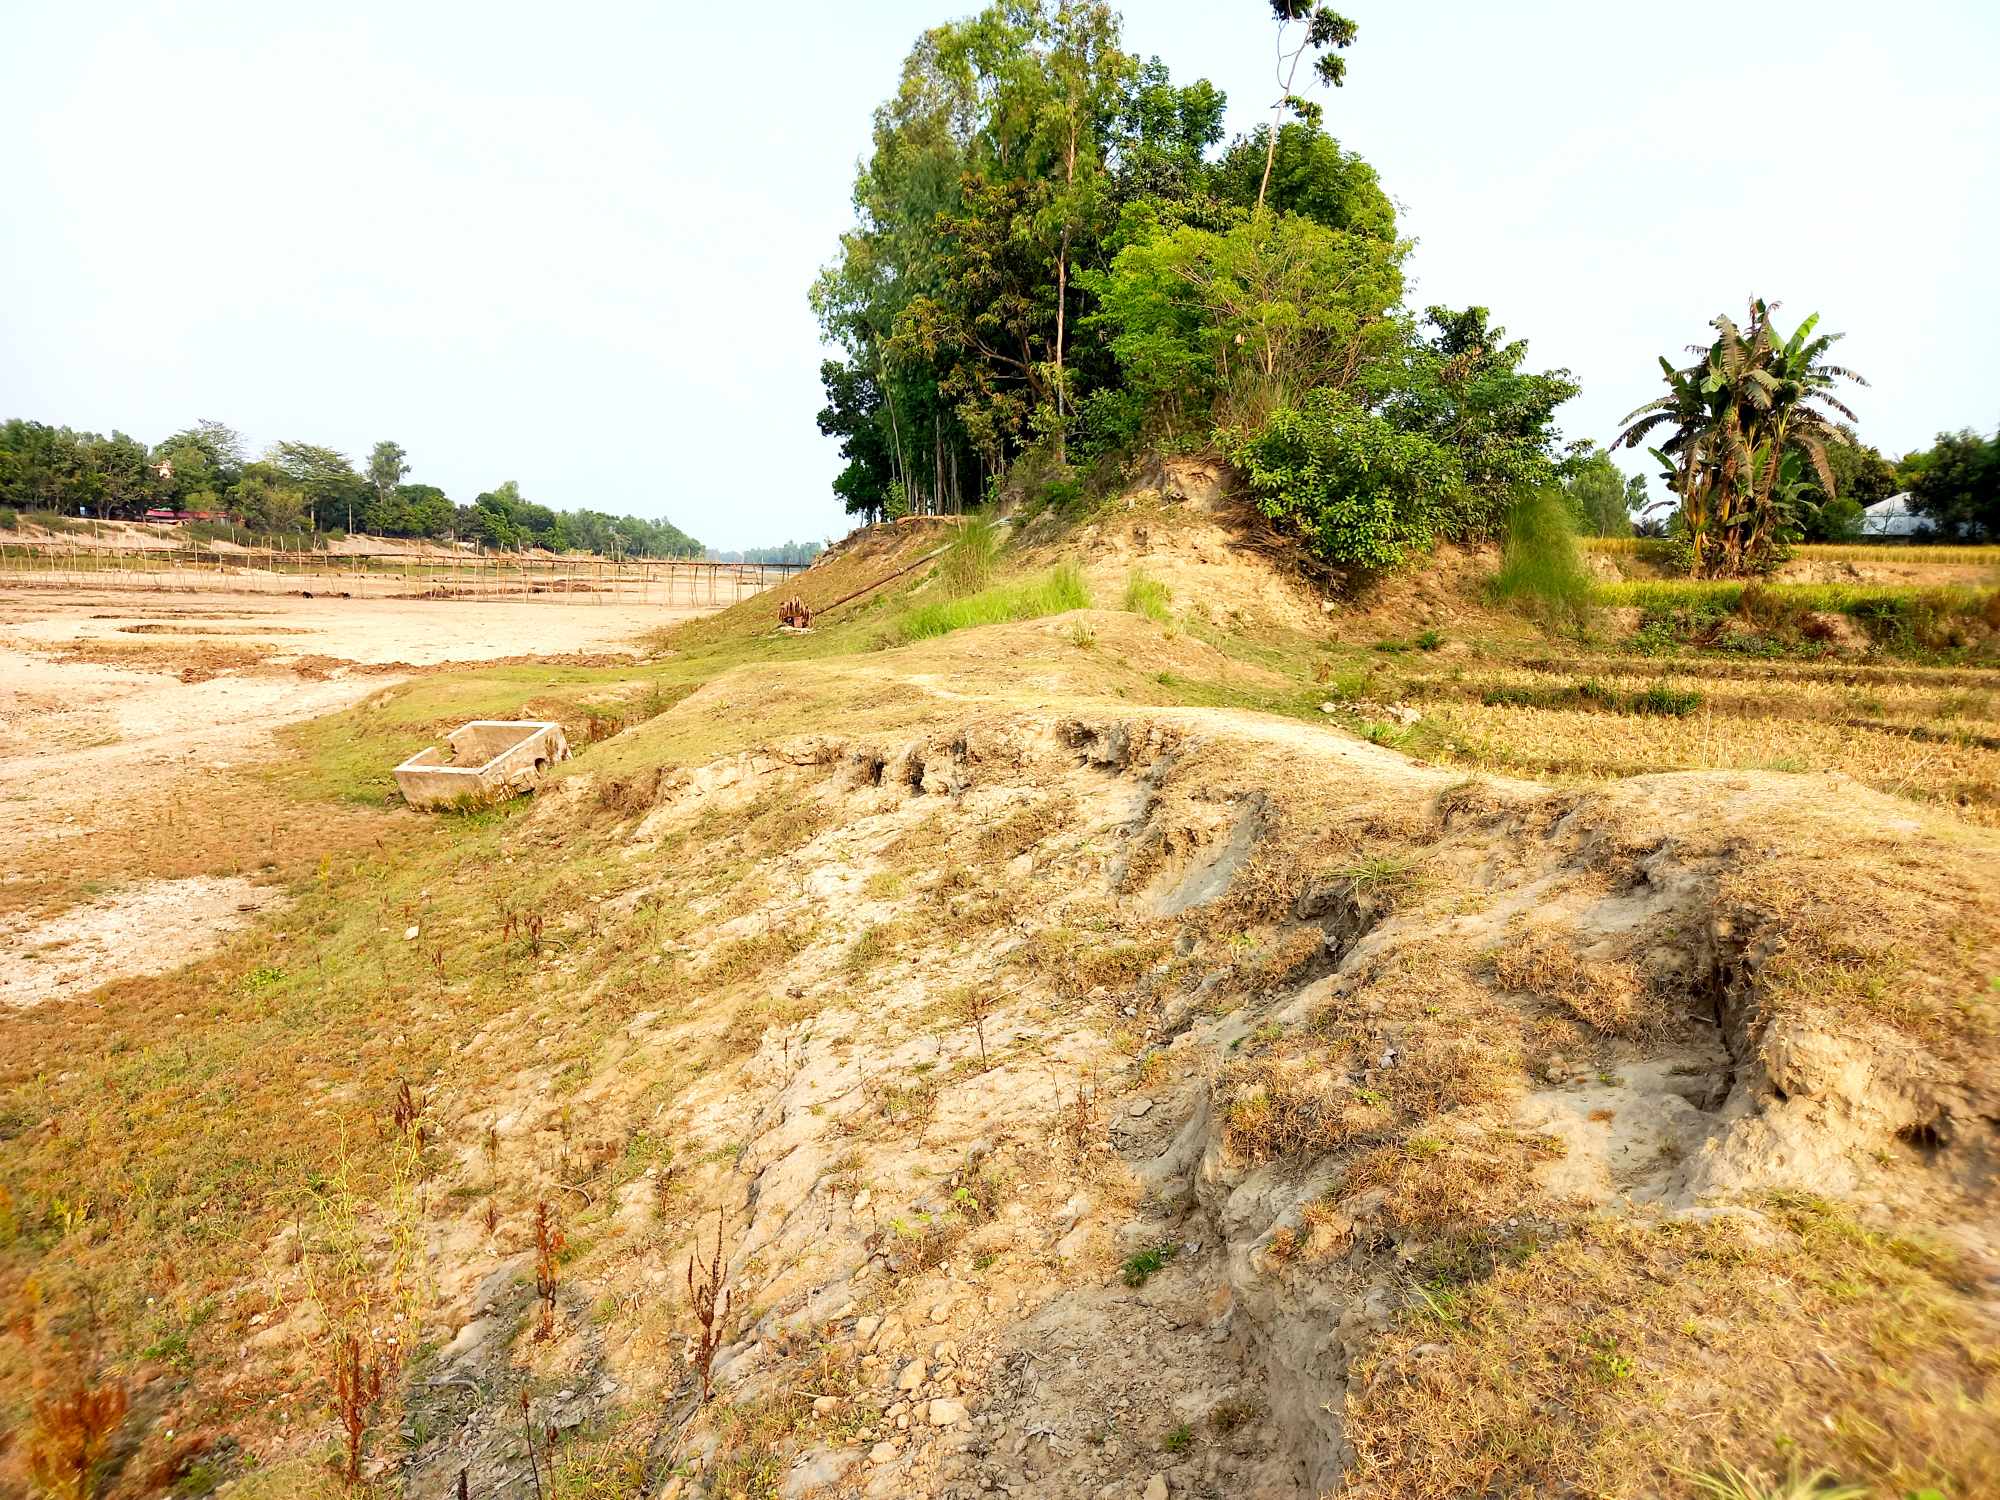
x: 294, y: 488
x: 1056, y: 262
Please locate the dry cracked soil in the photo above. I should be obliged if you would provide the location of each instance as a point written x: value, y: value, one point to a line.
x: 1063, y: 1094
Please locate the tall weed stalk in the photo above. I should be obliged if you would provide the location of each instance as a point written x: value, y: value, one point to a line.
x: 1541, y: 569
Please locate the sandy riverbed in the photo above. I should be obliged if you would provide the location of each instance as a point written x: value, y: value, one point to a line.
x: 118, y: 707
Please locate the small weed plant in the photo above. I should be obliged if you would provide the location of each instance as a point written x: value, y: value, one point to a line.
x: 1141, y: 1267
x: 357, y: 1389
x: 708, y: 1295
x: 549, y: 1243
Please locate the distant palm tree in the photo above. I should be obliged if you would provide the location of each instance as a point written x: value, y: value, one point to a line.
x: 1750, y: 400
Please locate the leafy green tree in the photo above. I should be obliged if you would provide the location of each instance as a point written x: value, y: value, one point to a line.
x: 1597, y: 498
x: 265, y: 499
x: 1046, y: 261
x: 202, y: 464
x: 1836, y: 519
x: 426, y: 510
x: 1251, y: 317
x: 991, y: 325
x: 1859, y: 471
x: 56, y: 468
x: 1637, y: 501
x: 324, y: 477
x: 1163, y: 135
x: 1308, y: 174
x: 856, y: 414
x: 1466, y: 387
x: 1957, y: 489
x: 993, y: 186
x: 1088, y: 73
x: 1326, y: 34
x: 27, y: 472
x: 387, y: 466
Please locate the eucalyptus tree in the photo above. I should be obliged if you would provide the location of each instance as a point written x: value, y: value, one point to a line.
x: 388, y: 464
x: 1088, y: 74
x: 990, y: 186
x: 1325, y: 33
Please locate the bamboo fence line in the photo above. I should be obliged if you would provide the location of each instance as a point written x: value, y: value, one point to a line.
x: 199, y: 569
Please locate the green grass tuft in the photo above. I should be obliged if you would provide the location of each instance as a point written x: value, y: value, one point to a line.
x: 1541, y: 570
x: 967, y: 564
x: 1673, y: 702
x: 1051, y: 593
x: 1145, y: 1263
x: 1148, y: 597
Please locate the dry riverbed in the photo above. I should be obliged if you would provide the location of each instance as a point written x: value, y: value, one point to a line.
x: 129, y: 723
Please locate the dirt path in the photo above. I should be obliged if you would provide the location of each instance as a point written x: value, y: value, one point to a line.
x: 123, y: 716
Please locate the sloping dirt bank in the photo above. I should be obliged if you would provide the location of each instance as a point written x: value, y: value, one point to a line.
x: 1089, y: 1100
x: 1078, y: 1098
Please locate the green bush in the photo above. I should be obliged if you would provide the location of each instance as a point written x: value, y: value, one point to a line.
x: 1541, y: 568
x: 1060, y: 589
x: 1663, y: 699
x: 1357, y: 490
x: 1065, y: 491
x: 1108, y: 422
x: 9, y: 519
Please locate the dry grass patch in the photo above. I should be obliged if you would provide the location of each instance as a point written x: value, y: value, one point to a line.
x: 742, y: 957
x: 881, y: 941
x: 1606, y: 996
x: 1433, y: 1182
x: 780, y: 822
x: 1635, y: 1355
x: 751, y: 1019
x: 1023, y: 829
x: 1417, y: 1041
x: 1075, y: 964
x: 1911, y: 946
x: 959, y: 908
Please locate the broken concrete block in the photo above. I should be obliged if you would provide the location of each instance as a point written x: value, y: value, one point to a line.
x: 490, y: 760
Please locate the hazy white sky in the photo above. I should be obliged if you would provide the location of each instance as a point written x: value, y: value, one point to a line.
x: 571, y: 245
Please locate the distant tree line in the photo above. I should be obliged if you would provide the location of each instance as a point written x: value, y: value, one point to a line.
x: 1955, y: 485
x: 294, y: 488
x: 786, y: 552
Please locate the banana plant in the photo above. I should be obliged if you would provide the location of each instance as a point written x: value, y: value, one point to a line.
x: 1745, y: 420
